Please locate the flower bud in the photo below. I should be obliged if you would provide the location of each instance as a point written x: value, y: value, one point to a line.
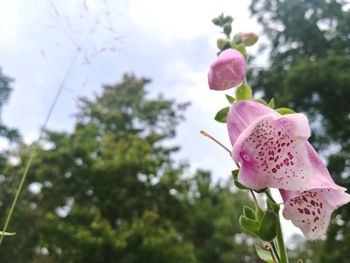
x: 247, y: 38
x: 222, y: 43
x: 228, y: 71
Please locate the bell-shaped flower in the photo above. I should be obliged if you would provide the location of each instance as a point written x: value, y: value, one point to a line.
x: 228, y: 71
x: 261, y: 138
x: 270, y: 148
x: 310, y: 209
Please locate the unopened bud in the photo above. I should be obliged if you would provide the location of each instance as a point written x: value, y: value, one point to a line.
x: 222, y: 43
x: 247, y: 38
x: 227, y: 71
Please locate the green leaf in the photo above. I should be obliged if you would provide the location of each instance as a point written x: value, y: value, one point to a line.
x: 249, y: 225
x: 230, y: 99
x: 268, y: 226
x: 6, y: 233
x: 216, y: 21
x: 227, y: 30
x: 300, y: 260
x: 221, y: 115
x: 244, y: 92
x: 272, y: 103
x: 228, y: 20
x: 285, y: 111
x: 248, y: 212
x: 264, y: 254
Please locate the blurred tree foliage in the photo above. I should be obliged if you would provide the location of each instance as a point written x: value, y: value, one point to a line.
x: 310, y: 72
x: 110, y: 191
x: 5, y: 132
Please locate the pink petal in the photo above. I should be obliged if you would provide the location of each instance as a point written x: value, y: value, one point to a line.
x: 311, y: 210
x: 273, y: 153
x: 320, y: 175
x: 242, y: 114
x: 228, y: 71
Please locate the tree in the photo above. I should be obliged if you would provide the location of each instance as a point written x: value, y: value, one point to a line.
x: 110, y: 191
x: 309, y: 72
x: 5, y: 132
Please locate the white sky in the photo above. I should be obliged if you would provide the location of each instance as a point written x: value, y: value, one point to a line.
x: 172, y: 42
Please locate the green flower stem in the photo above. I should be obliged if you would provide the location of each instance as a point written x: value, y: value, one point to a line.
x: 18, y: 191
x: 33, y: 151
x: 275, y: 251
x: 280, y: 241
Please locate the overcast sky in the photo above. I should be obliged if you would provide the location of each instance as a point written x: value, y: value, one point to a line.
x: 172, y: 42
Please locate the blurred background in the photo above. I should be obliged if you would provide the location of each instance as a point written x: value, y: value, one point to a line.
x: 122, y: 174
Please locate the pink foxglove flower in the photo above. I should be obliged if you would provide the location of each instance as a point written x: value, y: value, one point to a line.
x: 271, y: 148
x: 256, y: 131
x: 228, y: 71
x: 311, y: 209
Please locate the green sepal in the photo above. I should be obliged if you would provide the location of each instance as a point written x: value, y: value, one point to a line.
x: 285, y: 111
x: 241, y: 48
x: 300, y: 261
x: 244, y: 92
x: 268, y: 226
x: 260, y: 191
x: 239, y: 185
x: 272, y: 103
x: 230, y: 99
x: 261, y: 101
x: 259, y: 213
x: 236, y: 182
x: 248, y: 212
x: 264, y: 254
x: 221, y: 115
x: 273, y: 206
x: 249, y: 225
x: 235, y: 174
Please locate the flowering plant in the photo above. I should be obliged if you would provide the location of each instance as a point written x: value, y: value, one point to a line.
x: 271, y: 150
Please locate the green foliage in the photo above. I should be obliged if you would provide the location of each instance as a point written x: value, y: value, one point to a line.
x: 268, y: 226
x: 110, y: 191
x: 249, y: 225
x: 224, y: 22
x: 248, y: 212
x: 5, y: 91
x: 264, y: 254
x: 309, y: 72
